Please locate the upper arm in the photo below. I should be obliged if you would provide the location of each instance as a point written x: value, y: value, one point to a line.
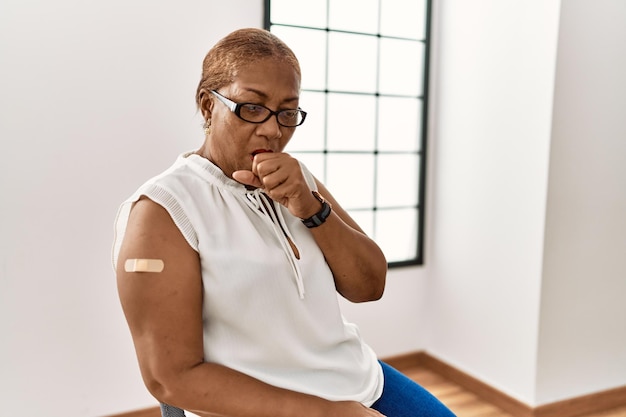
x: 163, y: 309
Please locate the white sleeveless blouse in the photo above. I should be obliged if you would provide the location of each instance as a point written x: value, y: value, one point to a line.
x: 266, y: 313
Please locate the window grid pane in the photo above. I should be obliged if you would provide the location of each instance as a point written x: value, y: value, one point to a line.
x: 364, y: 87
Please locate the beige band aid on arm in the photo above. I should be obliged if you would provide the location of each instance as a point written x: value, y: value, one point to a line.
x: 144, y: 265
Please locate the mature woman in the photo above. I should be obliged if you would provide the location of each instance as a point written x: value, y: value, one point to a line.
x: 228, y: 263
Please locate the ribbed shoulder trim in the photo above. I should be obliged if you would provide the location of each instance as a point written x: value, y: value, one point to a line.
x: 164, y: 198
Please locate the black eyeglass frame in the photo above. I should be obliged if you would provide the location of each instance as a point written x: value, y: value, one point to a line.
x: 236, y: 108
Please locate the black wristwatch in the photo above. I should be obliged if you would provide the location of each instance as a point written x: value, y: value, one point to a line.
x: 319, y: 217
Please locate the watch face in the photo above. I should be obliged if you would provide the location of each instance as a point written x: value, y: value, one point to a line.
x: 318, y: 196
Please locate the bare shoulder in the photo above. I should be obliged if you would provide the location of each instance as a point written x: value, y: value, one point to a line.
x: 152, y: 234
x: 151, y: 228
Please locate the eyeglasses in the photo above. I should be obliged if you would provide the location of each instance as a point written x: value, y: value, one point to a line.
x: 256, y: 113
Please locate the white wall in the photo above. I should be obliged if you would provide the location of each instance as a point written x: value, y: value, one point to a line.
x: 95, y: 96
x: 397, y: 323
x: 582, y: 339
x: 528, y: 271
x: 490, y: 150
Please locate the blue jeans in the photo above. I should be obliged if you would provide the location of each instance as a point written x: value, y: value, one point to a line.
x: 403, y: 397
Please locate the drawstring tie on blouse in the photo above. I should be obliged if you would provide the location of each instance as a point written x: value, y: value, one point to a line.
x: 261, y: 204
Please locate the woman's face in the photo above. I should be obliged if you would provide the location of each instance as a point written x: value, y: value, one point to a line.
x: 233, y: 142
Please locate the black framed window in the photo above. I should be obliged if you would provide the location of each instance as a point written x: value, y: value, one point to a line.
x: 365, y: 88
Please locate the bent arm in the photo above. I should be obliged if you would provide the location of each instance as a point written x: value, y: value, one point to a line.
x: 164, y: 314
x: 358, y: 264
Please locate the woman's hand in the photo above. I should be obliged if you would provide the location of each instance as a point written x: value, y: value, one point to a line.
x: 279, y: 175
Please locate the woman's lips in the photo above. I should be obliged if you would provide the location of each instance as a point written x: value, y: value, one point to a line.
x: 258, y: 151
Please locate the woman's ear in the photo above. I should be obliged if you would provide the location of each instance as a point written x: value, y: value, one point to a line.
x: 206, y: 103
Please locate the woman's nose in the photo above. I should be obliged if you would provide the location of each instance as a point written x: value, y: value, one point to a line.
x: 270, y: 128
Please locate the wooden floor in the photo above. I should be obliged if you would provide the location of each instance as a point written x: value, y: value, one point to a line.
x: 465, y: 404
